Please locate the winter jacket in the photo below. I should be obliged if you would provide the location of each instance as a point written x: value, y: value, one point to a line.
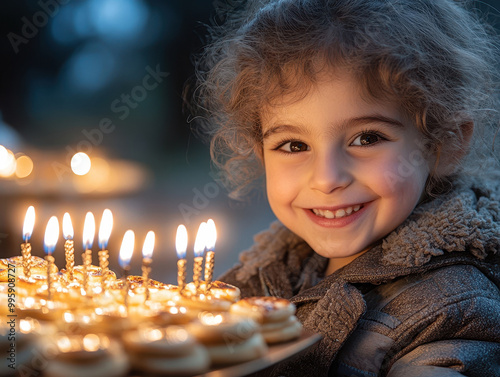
x: 424, y: 301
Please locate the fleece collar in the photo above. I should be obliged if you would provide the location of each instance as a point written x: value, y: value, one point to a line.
x: 466, y: 219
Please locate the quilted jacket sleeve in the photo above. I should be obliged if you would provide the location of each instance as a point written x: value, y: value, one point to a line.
x: 450, y: 358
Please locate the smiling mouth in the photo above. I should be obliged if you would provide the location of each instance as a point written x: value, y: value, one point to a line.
x: 337, y: 214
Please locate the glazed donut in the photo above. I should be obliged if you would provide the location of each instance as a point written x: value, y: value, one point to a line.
x: 264, y: 308
x: 238, y: 352
x: 219, y: 328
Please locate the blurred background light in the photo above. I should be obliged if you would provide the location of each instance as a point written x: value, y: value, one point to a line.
x: 24, y: 166
x: 80, y: 163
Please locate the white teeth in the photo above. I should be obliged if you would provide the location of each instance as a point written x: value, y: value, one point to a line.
x: 328, y: 214
x: 338, y: 213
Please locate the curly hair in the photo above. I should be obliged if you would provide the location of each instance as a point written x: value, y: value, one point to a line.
x: 436, y: 58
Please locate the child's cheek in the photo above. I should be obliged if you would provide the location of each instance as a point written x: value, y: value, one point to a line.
x: 400, y: 177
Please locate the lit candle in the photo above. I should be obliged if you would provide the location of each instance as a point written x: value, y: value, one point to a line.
x: 88, y: 240
x: 209, y: 261
x: 50, y: 241
x: 181, y: 240
x: 104, y: 234
x: 147, y: 258
x: 29, y: 223
x: 199, y: 249
x: 126, y: 251
x: 69, y: 245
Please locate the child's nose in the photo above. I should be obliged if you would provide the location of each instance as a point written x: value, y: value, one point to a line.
x: 330, y: 172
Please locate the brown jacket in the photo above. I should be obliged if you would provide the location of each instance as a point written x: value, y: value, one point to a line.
x: 425, y: 301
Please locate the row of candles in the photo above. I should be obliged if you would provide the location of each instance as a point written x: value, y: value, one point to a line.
x: 204, y: 244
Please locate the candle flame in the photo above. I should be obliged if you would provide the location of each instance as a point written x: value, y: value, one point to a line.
x: 67, y: 227
x: 211, y: 235
x: 127, y: 249
x: 51, y: 235
x: 200, y: 242
x: 105, y: 228
x: 181, y: 240
x: 88, y: 231
x: 29, y: 223
x: 149, y: 244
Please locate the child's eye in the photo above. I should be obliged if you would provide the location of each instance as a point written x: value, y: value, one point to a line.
x: 293, y: 147
x: 367, y: 138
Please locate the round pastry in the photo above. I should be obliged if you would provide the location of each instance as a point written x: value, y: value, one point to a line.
x: 158, y: 291
x: 275, y: 315
x: 196, y: 362
x: 264, y: 308
x: 210, y: 328
x: 277, y: 332
x: 219, y: 290
x: 94, y: 274
x: 107, y: 359
x: 233, y: 352
x: 14, y: 265
x: 202, y: 302
x: 168, y: 351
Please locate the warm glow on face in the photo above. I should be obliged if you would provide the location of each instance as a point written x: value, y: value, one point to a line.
x: 181, y: 241
x: 80, y: 163
x: 105, y: 228
x: 29, y: 223
x: 24, y: 166
x: 127, y: 249
x: 67, y: 227
x: 211, y: 235
x: 51, y: 235
x: 88, y: 231
x: 149, y: 244
x: 200, y: 242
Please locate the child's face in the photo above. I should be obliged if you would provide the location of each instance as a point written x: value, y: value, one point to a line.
x: 341, y: 172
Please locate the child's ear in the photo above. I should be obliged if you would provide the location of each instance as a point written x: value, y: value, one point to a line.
x: 453, y: 149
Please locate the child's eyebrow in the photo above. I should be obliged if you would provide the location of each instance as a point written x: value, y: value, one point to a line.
x: 283, y: 128
x: 343, y: 126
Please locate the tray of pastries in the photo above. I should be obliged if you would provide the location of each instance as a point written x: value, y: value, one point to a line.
x: 136, y: 327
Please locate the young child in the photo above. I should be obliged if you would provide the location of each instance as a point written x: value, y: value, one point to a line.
x: 373, y: 121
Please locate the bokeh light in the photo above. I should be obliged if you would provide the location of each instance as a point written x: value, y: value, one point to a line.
x: 80, y: 163
x: 24, y: 166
